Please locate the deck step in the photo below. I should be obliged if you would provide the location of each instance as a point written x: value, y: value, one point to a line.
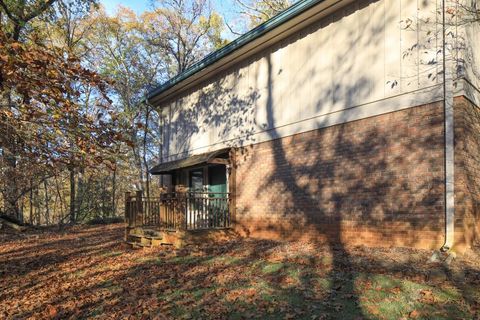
x: 152, y: 239
x: 152, y: 233
x: 138, y: 245
x: 135, y: 235
x: 139, y: 237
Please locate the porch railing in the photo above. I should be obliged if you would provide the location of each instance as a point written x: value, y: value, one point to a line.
x: 179, y: 210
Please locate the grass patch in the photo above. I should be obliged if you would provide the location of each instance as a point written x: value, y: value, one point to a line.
x: 97, y: 312
x: 199, y: 293
x: 398, y: 298
x: 187, y: 259
x: 321, y: 283
x: 273, y: 267
x: 224, y: 260
x: 151, y: 260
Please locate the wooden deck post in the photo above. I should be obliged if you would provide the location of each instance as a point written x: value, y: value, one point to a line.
x: 181, y: 209
x: 162, y: 210
x: 128, y: 214
x: 139, y: 209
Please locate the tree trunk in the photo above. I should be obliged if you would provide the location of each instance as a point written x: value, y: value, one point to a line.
x: 31, y: 203
x: 138, y: 164
x: 10, y: 195
x: 80, y: 191
x: 137, y: 157
x: 36, y: 202
x: 102, y: 199
x: 145, y: 162
x: 114, y: 191
x: 47, y: 203
x: 20, y: 212
x: 63, y: 205
x: 72, y: 195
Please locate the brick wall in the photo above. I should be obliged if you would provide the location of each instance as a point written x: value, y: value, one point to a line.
x: 467, y: 172
x: 377, y: 181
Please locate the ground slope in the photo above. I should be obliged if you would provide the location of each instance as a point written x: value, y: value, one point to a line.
x: 87, y: 272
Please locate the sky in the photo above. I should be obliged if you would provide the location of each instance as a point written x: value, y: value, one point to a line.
x: 137, y: 5
x: 225, y: 8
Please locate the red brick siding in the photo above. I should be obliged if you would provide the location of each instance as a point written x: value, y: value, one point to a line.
x: 378, y: 181
x: 467, y: 172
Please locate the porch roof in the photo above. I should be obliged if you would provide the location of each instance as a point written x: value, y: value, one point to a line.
x: 168, y: 167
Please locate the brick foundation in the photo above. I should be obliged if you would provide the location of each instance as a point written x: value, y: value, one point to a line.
x: 378, y: 181
x: 467, y: 172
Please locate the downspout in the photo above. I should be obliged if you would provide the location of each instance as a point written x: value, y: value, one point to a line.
x: 449, y: 165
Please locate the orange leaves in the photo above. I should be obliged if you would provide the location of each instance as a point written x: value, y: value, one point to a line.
x: 51, y: 312
x: 16, y: 46
x: 6, y: 112
x: 46, y: 90
x: 87, y: 272
x: 427, y: 297
x: 244, y: 294
x: 414, y: 314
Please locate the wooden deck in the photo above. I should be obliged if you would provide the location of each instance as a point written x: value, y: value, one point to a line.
x: 177, y: 218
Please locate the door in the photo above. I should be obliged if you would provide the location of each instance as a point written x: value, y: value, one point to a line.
x: 218, y: 197
x: 217, y: 179
x: 196, y: 207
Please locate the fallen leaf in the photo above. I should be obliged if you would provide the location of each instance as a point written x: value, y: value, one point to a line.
x: 51, y: 311
x: 414, y: 314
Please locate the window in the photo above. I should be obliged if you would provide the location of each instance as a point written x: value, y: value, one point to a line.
x: 196, y: 180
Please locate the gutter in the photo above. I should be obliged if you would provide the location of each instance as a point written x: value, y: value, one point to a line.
x: 241, y: 41
x: 449, y: 143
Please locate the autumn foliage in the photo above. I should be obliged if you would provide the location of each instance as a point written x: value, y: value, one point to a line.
x: 74, y: 133
x: 43, y: 106
x: 54, y: 115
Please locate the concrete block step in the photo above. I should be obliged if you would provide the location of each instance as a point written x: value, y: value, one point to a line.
x: 134, y: 238
x: 153, y: 237
x: 145, y: 241
x: 146, y: 238
x: 138, y: 245
x: 152, y: 233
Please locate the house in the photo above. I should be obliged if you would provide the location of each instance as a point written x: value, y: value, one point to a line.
x: 334, y: 121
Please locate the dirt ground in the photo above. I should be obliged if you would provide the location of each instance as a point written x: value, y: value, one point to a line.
x: 88, y: 272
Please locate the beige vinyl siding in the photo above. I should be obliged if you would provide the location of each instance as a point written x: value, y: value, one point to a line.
x: 364, y: 53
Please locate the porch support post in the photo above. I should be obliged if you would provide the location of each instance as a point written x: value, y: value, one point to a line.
x: 139, y: 211
x: 181, y: 209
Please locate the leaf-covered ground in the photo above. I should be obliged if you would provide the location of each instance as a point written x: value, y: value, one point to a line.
x: 87, y: 272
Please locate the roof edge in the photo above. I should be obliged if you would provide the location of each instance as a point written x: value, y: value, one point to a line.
x: 191, y: 160
x: 241, y: 41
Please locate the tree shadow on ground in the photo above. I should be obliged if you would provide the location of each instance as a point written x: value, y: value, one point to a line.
x: 244, y: 278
